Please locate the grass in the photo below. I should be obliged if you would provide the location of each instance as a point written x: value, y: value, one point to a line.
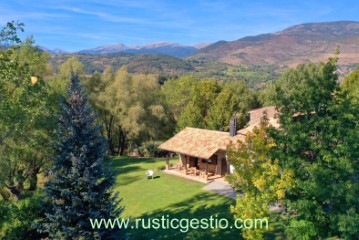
x: 173, y: 197
x: 168, y: 195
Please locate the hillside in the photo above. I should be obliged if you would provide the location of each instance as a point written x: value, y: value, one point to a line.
x: 155, y: 64
x: 255, y: 59
x: 311, y: 42
x: 168, y: 66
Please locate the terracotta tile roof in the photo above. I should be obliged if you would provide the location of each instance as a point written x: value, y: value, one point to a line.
x: 197, y: 142
x: 257, y: 114
x: 239, y: 136
x: 203, y: 143
x: 274, y: 122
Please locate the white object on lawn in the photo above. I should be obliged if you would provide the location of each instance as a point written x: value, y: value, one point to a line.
x: 149, y: 174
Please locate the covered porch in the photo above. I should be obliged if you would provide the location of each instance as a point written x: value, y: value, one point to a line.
x: 202, y: 153
x: 178, y: 173
x: 202, y: 169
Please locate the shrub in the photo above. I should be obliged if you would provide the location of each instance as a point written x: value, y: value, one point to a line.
x: 151, y: 150
x: 18, y: 218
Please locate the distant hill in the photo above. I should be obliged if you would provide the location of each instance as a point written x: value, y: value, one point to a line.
x: 167, y: 67
x: 154, y: 64
x: 105, y: 49
x: 310, y: 42
x: 167, y: 48
x: 257, y: 60
x: 54, y: 51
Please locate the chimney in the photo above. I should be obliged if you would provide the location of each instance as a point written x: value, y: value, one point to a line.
x: 233, y: 126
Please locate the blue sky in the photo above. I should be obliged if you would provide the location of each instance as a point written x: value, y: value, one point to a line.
x: 73, y: 25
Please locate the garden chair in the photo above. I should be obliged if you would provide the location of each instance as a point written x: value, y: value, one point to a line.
x: 149, y: 174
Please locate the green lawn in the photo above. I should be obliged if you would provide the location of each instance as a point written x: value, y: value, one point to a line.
x: 168, y: 195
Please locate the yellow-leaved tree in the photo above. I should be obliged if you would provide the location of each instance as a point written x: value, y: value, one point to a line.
x: 259, y: 179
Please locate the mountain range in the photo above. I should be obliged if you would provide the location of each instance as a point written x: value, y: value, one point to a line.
x: 55, y: 51
x: 254, y: 59
x: 310, y: 42
x: 167, y: 48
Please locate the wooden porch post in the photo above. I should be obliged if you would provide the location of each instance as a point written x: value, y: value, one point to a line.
x: 167, y: 162
x: 206, y: 176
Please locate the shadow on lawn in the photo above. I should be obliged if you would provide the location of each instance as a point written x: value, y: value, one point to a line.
x: 127, y: 180
x: 186, y: 210
x: 125, y: 160
x: 154, y: 177
x: 125, y: 170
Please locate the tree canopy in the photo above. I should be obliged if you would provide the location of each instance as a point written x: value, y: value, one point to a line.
x: 318, y: 142
x: 27, y: 112
x: 259, y: 178
x: 207, y: 103
x: 130, y: 107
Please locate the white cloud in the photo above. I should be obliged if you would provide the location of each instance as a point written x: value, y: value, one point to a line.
x: 103, y: 15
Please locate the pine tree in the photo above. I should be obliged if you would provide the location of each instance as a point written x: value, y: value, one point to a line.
x: 79, y: 186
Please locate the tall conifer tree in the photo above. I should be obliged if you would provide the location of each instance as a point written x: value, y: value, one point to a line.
x: 79, y: 186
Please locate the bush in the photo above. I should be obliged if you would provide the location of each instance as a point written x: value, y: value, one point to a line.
x: 18, y: 218
x: 5, y: 214
x: 151, y: 150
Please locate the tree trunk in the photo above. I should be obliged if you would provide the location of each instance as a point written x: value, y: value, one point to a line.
x: 109, y: 136
x: 119, y: 140
x: 33, y: 179
x: 123, y: 142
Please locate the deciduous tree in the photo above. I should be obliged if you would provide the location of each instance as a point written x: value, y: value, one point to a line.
x: 350, y: 84
x: 235, y: 99
x: 318, y: 141
x: 25, y: 116
x: 195, y: 113
x: 71, y: 66
x: 132, y: 110
x: 259, y: 178
x: 178, y: 93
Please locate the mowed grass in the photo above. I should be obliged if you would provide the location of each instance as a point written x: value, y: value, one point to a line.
x: 168, y: 195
